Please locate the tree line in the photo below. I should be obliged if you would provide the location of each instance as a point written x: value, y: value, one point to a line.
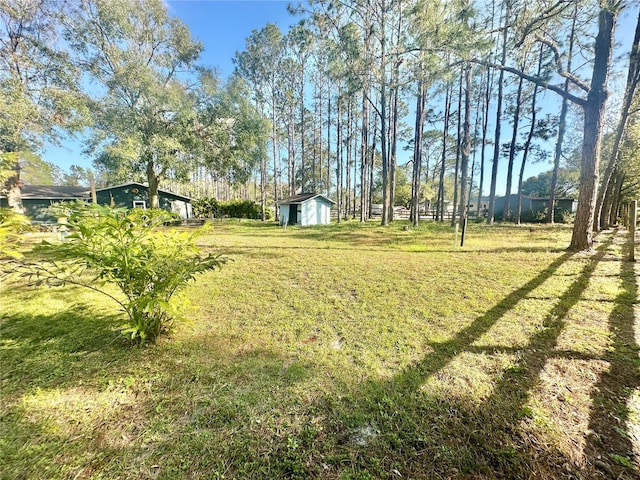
x: 461, y: 87
x: 356, y: 81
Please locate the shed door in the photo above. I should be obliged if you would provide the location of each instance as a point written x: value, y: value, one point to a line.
x: 293, y: 214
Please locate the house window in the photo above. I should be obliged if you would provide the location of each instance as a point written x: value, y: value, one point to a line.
x: 139, y: 204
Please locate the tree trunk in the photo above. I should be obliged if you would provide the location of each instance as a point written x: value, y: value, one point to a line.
x: 339, y: 155
x: 393, y: 157
x: 291, y: 150
x: 443, y: 166
x: 328, y: 143
x: 152, y: 179
x: 302, y: 133
x: 633, y: 77
x: 466, y: 146
x: 527, y: 144
x: 485, y: 124
x: 364, y: 155
x: 496, y: 146
x: 383, y: 124
x: 347, y: 202
x: 582, y: 237
x: 506, y: 213
x: 274, y: 143
x: 456, y: 175
x: 562, y: 125
x: 417, y: 153
x: 617, y: 198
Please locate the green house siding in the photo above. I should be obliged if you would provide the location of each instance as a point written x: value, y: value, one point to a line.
x: 122, y: 196
x: 137, y: 195
x: 38, y: 209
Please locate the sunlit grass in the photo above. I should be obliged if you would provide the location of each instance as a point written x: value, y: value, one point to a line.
x: 343, y: 351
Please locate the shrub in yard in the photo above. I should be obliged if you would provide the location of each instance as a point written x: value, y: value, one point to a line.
x: 11, y: 226
x: 210, y: 207
x: 129, y: 249
x: 205, y: 207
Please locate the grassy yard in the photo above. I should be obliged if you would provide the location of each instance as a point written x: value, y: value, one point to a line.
x: 340, y: 352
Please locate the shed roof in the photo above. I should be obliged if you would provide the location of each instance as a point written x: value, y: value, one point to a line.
x: 302, y: 198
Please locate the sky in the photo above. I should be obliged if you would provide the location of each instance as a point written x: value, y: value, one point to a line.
x: 223, y: 26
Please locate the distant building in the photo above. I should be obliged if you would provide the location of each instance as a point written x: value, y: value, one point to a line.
x: 530, y: 205
x: 305, y: 209
x: 136, y: 195
x: 36, y: 200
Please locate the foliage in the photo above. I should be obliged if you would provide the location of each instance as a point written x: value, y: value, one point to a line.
x: 561, y: 215
x: 37, y: 76
x: 234, y: 136
x: 539, y: 186
x: 36, y: 171
x: 12, y: 224
x: 127, y: 249
x: 210, y: 207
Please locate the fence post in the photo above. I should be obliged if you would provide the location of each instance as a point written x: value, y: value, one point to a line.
x: 633, y: 219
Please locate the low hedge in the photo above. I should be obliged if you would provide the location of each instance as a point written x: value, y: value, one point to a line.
x: 212, y: 208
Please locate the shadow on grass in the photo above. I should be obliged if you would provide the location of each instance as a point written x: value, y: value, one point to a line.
x: 609, y: 443
x: 79, y: 402
x: 41, y: 351
x: 396, y: 426
x: 271, y: 251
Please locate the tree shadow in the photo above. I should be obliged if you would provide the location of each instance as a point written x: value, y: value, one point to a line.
x: 79, y: 402
x: 381, y: 427
x: 71, y: 345
x: 609, y: 441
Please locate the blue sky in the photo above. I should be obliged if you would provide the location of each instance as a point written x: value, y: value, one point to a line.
x: 223, y: 26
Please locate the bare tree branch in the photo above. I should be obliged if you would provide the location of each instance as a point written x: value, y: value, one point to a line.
x: 556, y: 53
x: 536, y: 80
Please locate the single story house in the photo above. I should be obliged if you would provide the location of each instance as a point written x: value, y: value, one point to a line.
x: 529, y: 204
x: 37, y: 199
x: 305, y: 209
x: 136, y: 195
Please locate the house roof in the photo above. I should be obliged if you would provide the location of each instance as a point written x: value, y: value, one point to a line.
x: 302, y: 198
x: 52, y: 192
x: 136, y: 184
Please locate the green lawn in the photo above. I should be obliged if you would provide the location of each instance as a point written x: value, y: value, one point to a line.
x: 341, y: 352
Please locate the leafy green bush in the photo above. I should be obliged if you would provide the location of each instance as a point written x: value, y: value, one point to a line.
x: 210, y: 207
x: 206, y: 207
x: 12, y: 224
x: 128, y: 249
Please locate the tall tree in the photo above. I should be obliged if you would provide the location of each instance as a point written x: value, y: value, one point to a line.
x: 259, y: 64
x: 633, y: 78
x: 562, y: 122
x: 496, y: 138
x: 41, y: 99
x: 136, y: 52
x: 593, y: 106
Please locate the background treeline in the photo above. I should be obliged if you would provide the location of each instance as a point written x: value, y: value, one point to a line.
x: 360, y: 100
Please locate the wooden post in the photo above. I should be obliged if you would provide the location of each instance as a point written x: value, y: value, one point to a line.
x: 633, y: 219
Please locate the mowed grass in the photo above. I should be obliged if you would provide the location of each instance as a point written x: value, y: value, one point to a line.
x: 341, y: 352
